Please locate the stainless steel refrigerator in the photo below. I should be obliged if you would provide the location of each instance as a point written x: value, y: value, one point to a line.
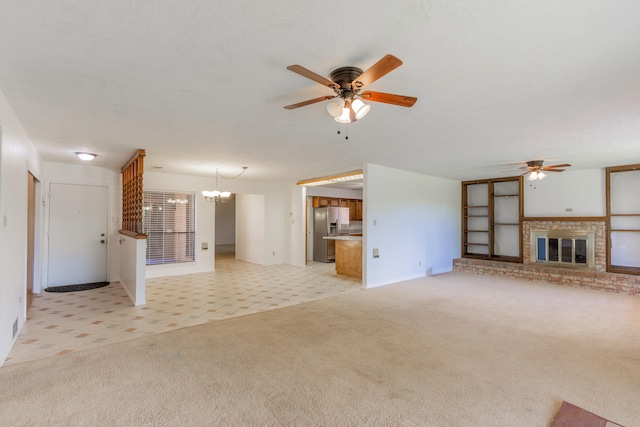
x: 329, y: 221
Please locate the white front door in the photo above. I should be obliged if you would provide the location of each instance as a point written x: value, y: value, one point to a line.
x: 77, y: 234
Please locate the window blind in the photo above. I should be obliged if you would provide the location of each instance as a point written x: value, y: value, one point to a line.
x: 169, y: 221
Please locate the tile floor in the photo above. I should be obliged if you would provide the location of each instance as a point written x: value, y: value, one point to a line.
x: 59, y: 323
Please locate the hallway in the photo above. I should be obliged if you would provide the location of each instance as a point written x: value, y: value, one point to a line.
x: 59, y: 323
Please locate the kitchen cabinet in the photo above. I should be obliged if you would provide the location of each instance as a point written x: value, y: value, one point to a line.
x: 354, y: 205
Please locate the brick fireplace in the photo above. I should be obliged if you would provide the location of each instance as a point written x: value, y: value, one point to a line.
x: 595, y: 277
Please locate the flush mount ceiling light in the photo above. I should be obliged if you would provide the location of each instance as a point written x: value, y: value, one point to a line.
x: 332, y: 179
x: 83, y: 155
x: 220, y: 196
x: 347, y: 104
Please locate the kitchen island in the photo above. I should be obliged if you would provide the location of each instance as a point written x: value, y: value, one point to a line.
x: 348, y: 255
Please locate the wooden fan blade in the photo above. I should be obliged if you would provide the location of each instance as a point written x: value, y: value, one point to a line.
x: 299, y: 69
x: 564, y: 165
x: 310, y: 101
x: 377, y: 70
x: 389, y: 98
x: 552, y: 170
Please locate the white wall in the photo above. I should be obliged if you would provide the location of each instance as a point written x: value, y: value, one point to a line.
x: 297, y: 223
x: 250, y: 228
x: 58, y: 173
x: 17, y: 156
x: 337, y: 193
x: 225, y: 231
x: 414, y: 222
x: 583, y: 192
x: 132, y: 259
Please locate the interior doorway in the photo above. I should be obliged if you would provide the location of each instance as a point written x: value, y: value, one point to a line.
x: 32, y: 183
x: 225, y: 229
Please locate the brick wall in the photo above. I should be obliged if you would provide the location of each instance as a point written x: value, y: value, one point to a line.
x: 596, y: 226
x: 597, y: 278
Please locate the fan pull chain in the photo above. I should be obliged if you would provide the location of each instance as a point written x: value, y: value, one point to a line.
x: 346, y: 134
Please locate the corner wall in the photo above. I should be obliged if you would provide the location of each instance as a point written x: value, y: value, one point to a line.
x: 414, y: 222
x: 17, y: 156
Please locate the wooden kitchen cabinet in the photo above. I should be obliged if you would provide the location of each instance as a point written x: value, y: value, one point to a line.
x: 354, y: 205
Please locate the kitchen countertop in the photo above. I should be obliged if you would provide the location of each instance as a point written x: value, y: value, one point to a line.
x: 345, y: 237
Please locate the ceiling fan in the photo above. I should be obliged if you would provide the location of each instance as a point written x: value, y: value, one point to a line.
x: 536, y: 171
x: 347, y: 84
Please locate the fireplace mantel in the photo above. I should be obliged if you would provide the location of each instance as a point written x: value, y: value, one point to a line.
x: 564, y: 218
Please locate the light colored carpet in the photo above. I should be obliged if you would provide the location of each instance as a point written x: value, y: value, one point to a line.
x: 449, y: 350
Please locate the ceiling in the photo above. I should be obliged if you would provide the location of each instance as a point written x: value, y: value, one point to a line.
x: 201, y: 84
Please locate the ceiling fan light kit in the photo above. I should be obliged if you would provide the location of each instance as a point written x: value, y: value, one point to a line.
x: 347, y: 105
x: 536, y: 176
x: 535, y: 170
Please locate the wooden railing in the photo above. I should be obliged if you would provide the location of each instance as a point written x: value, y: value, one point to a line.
x: 132, y: 189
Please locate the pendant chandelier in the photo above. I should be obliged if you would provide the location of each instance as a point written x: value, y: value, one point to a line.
x: 216, y: 196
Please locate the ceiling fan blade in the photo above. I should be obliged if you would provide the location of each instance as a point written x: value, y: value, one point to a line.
x: 564, y: 165
x: 308, y: 102
x: 552, y: 170
x: 389, y: 98
x: 377, y: 70
x: 299, y: 69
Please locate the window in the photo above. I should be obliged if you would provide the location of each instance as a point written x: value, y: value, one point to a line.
x: 169, y: 221
x: 623, y: 219
x: 491, y: 219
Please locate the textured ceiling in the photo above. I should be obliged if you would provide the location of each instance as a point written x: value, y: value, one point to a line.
x: 201, y: 84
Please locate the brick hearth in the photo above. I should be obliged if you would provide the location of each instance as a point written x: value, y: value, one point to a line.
x: 596, y: 278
